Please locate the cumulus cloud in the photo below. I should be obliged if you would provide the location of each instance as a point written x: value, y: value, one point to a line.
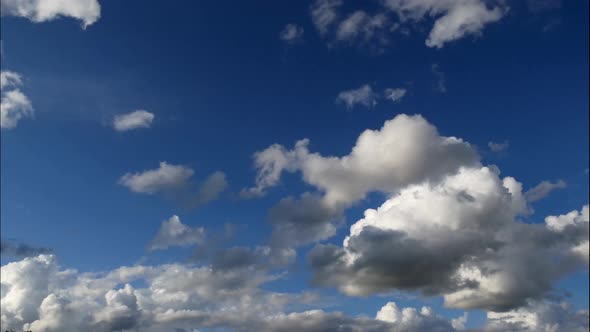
x: 459, y: 238
x: 87, y: 11
x: 174, y: 181
x: 37, y: 294
x: 498, y: 147
x: 14, y: 104
x: 407, y: 149
x: 174, y: 233
x: 395, y: 95
x: 291, y: 34
x: 543, y: 189
x: 134, y: 120
x: 364, y: 96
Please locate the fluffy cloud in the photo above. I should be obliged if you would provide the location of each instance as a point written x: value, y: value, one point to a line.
x: 543, y: 189
x: 364, y: 96
x: 133, y: 120
x: 291, y: 34
x: 14, y: 104
x: 406, y: 150
x: 414, y: 152
x: 459, y: 238
x: 38, y: 295
x: 174, y: 233
x: 87, y: 11
x: 395, y: 95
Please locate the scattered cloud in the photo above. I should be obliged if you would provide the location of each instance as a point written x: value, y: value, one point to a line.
x: 537, y: 6
x: 174, y: 233
x: 441, y: 79
x: 395, y: 95
x: 134, y: 120
x: 291, y: 34
x: 498, y: 147
x: 14, y: 104
x: 87, y: 11
x: 543, y: 189
x: 166, y: 178
x: 363, y: 96
x: 453, y: 20
x: 175, y: 181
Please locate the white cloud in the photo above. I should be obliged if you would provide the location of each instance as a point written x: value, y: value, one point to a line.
x: 498, y: 147
x: 134, y: 120
x: 459, y: 238
x: 165, y: 178
x: 396, y: 94
x: 364, y: 96
x: 543, y: 189
x: 291, y: 34
x: 174, y: 233
x: 324, y: 14
x: 87, y: 11
x: 39, y: 295
x: 14, y: 104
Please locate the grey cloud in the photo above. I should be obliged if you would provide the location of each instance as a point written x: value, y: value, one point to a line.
x: 543, y: 189
x: 21, y: 250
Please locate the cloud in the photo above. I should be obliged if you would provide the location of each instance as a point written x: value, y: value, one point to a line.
x: 441, y: 79
x: 174, y: 181
x: 453, y: 20
x: 498, y: 147
x: 539, y: 316
x: 291, y: 34
x: 14, y: 105
x: 364, y: 96
x: 167, y: 177
x: 134, y: 120
x: 543, y: 189
x: 414, y: 152
x: 395, y: 95
x: 459, y: 238
x: 87, y: 11
x: 21, y: 250
x: 39, y: 295
x: 324, y: 14
x: 174, y: 233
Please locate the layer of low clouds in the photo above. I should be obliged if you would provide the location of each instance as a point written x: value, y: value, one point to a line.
x: 453, y: 20
x: 133, y: 120
x: 87, y: 11
x: 291, y: 34
x: 14, y: 104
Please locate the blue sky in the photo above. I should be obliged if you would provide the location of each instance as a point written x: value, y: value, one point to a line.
x: 223, y: 81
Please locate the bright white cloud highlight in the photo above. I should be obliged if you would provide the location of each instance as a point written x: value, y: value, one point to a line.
x: 87, y: 11
x: 165, y: 178
x: 134, y: 120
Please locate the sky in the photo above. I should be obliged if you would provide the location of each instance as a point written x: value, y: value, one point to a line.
x: 320, y: 165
